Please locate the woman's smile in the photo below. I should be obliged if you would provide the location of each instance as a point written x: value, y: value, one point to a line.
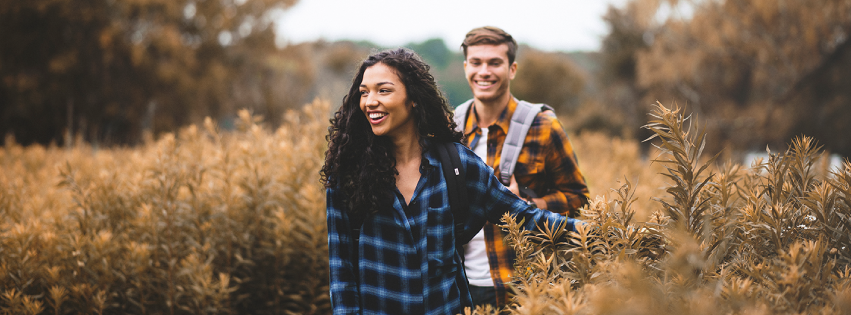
x: 376, y: 117
x: 384, y: 102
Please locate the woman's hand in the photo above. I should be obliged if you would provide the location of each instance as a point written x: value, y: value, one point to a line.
x: 513, y: 187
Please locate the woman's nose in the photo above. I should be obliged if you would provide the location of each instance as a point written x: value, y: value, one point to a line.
x: 371, y: 101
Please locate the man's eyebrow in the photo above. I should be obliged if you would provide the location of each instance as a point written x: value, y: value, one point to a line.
x: 485, y: 59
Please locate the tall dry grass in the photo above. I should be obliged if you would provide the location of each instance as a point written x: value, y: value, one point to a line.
x: 206, y: 221
x: 607, y: 163
x: 772, y: 238
x: 199, y: 222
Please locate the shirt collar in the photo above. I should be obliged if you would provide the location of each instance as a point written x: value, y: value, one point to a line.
x: 429, y: 158
x: 503, y: 121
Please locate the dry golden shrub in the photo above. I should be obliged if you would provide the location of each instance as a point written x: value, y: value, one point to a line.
x: 770, y: 239
x: 201, y: 221
x: 205, y: 221
x: 608, y: 162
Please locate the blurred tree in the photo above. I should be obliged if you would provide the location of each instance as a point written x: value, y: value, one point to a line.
x: 758, y: 70
x: 336, y: 65
x: 548, y: 77
x: 619, y: 89
x: 109, y: 69
x: 434, y: 52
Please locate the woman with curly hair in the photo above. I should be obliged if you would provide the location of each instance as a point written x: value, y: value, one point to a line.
x: 391, y: 232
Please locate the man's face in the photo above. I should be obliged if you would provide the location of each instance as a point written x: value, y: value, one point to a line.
x: 488, y: 71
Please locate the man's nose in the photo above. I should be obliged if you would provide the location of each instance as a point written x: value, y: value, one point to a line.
x: 484, y: 70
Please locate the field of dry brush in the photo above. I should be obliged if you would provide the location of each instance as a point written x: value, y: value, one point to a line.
x: 205, y: 222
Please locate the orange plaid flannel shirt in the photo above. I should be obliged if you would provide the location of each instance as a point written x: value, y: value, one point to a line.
x: 547, y: 165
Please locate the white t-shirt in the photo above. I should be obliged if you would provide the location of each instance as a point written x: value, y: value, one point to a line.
x: 475, y: 252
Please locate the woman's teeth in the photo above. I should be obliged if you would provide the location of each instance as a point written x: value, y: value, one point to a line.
x: 375, y: 116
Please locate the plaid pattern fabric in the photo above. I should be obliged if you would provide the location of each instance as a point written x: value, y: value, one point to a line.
x: 405, y: 261
x: 547, y: 165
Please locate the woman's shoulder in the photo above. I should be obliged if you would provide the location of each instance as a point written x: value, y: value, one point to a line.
x: 471, y: 161
x: 464, y: 154
x: 463, y: 151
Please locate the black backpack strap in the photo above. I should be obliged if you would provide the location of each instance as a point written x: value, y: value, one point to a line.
x: 455, y: 177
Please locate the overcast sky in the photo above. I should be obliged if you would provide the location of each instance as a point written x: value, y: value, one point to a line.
x: 565, y: 25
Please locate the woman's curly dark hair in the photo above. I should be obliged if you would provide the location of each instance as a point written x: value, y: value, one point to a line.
x: 362, y: 164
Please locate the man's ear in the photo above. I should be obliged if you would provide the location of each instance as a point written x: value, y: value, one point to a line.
x: 512, y: 70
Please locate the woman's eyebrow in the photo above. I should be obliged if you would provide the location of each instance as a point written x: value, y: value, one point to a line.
x: 379, y: 83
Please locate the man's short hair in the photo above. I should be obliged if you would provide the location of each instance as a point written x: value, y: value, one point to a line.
x: 490, y: 35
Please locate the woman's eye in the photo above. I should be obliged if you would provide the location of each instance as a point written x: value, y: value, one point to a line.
x: 363, y: 93
x: 384, y: 91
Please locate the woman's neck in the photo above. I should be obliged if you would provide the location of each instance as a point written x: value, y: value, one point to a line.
x: 407, y: 149
x: 408, y: 159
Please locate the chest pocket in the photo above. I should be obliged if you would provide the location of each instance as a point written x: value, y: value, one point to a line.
x: 528, y: 168
x: 531, y: 160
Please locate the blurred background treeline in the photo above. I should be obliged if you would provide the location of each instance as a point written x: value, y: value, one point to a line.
x: 111, y: 72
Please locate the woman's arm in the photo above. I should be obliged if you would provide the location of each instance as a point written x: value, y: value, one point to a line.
x: 490, y: 199
x: 342, y: 251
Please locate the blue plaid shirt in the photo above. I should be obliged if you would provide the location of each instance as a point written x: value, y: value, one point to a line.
x: 405, y: 261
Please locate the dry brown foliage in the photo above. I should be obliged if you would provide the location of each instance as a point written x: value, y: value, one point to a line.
x: 769, y: 239
x: 200, y: 222
x: 206, y: 221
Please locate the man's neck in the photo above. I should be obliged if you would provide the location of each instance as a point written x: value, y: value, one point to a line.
x: 488, y: 112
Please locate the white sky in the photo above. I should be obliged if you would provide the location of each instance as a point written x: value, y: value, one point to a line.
x: 565, y: 25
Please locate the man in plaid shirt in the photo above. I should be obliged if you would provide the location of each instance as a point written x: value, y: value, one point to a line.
x: 546, y: 165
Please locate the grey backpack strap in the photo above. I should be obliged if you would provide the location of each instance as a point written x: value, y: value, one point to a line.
x: 521, y: 121
x: 461, y: 115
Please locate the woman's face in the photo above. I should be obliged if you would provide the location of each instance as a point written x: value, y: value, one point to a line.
x: 384, y: 101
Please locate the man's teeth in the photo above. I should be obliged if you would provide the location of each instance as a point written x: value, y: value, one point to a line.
x: 376, y: 115
x: 484, y: 83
